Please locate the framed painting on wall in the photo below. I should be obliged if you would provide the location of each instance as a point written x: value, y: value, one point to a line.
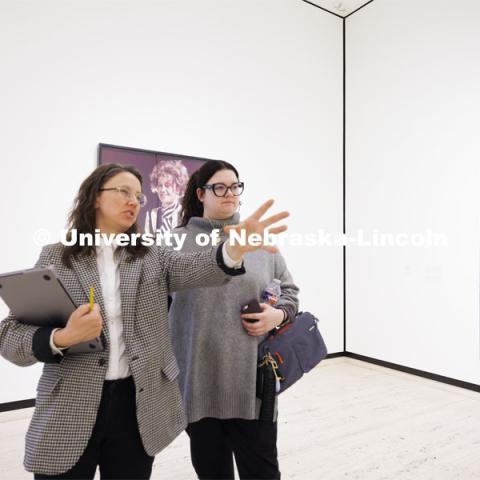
x: 165, y: 178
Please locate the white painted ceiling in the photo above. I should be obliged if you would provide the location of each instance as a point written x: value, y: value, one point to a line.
x: 340, y: 7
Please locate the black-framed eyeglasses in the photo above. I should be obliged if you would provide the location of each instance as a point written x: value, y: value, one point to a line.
x: 220, y: 189
x: 127, y: 194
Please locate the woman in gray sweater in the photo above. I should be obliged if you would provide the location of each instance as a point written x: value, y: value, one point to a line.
x: 217, y: 349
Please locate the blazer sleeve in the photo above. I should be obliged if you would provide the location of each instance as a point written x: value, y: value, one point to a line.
x: 23, y: 344
x: 289, y: 291
x: 197, y: 269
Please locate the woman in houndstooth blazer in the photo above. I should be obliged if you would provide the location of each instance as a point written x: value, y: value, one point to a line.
x: 114, y: 409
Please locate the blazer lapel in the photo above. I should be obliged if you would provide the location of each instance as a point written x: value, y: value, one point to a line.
x: 87, y: 273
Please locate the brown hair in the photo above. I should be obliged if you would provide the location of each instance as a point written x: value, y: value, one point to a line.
x: 82, y: 216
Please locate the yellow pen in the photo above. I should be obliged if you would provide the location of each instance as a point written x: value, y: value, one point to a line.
x: 91, y: 299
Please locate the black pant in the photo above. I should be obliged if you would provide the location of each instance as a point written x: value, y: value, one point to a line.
x: 115, y: 445
x: 213, y: 442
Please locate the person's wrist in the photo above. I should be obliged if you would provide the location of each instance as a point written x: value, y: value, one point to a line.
x: 62, y: 339
x: 283, y: 317
x: 235, y: 252
x: 279, y: 317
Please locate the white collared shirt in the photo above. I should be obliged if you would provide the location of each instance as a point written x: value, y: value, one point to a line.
x: 109, y: 272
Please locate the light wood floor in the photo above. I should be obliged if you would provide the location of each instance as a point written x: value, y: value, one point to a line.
x: 345, y: 420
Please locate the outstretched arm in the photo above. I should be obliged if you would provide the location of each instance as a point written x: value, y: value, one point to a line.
x: 209, y: 268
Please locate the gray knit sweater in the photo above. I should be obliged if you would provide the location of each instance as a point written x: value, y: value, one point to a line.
x: 217, y: 358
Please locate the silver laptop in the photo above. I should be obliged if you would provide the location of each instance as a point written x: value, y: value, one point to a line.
x: 37, y: 297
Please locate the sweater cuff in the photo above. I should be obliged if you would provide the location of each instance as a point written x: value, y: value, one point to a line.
x: 224, y: 267
x: 41, y: 346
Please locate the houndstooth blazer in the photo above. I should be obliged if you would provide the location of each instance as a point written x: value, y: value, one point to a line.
x: 70, y: 388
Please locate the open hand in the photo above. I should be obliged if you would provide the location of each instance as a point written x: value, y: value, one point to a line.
x: 254, y: 229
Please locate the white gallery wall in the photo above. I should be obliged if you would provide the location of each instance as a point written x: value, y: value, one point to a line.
x: 413, y: 97
x: 257, y: 83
